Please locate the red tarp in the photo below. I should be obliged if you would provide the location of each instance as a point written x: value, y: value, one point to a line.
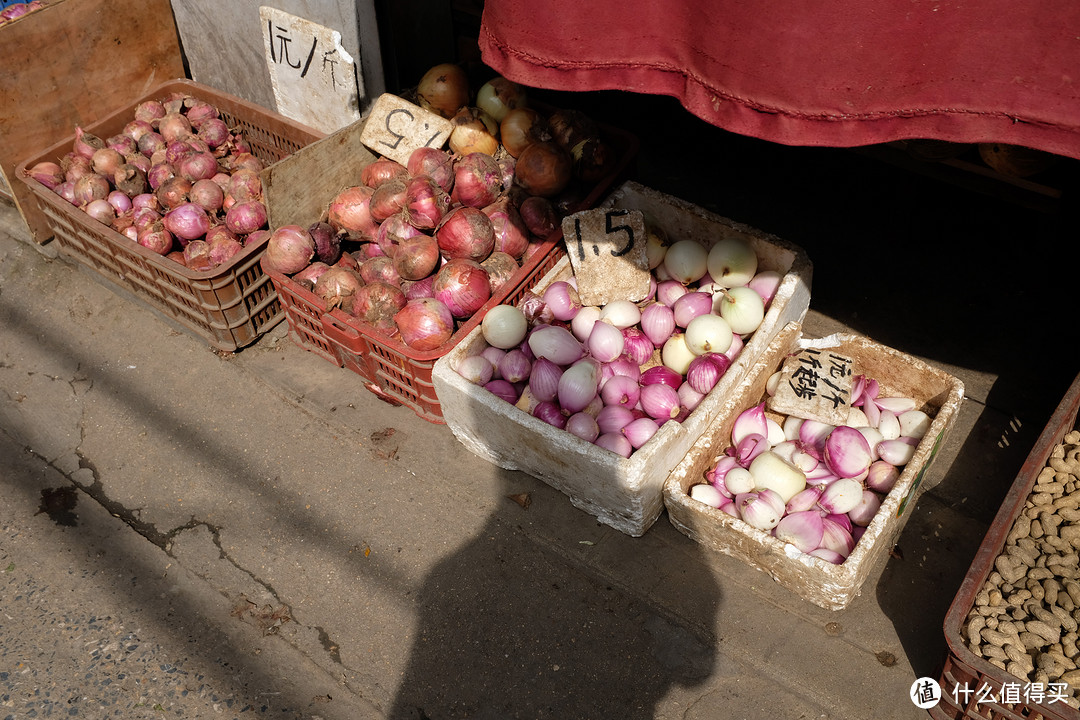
x: 814, y: 72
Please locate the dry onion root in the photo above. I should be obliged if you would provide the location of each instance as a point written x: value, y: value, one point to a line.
x: 1025, y: 616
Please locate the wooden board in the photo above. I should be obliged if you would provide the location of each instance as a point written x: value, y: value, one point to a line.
x: 63, y: 67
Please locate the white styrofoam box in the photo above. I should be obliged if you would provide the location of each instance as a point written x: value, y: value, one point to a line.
x: 625, y: 493
x: 936, y: 393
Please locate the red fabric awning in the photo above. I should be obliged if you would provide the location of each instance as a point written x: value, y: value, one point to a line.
x: 837, y: 73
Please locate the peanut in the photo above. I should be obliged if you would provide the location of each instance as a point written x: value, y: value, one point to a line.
x: 1040, y: 628
x: 1064, y: 619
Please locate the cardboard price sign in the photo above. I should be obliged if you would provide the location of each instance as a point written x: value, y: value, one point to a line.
x: 607, y: 253
x: 396, y: 127
x: 815, y: 385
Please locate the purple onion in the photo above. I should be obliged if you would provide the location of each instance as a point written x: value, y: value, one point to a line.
x: 584, y: 426
x: 562, y: 299
x: 503, y: 389
x: 640, y: 431
x: 706, y: 370
x: 827, y: 555
x: 847, y: 453
x: 668, y: 291
x: 605, y: 341
x: 863, y: 513
x: 660, y: 401
x: 616, y: 443
x: 613, y: 418
x: 836, y: 537
x: 803, y: 529
x: 555, y: 343
x: 622, y: 366
x: 690, y: 306
x: 658, y: 323
x: 477, y: 369
x: 578, y: 385
x: 544, y: 379
x: 550, y: 413
x: 663, y: 375
x: 187, y: 221
x: 514, y: 366
x: 637, y: 346
x: 804, y: 499
x: 689, y: 397
x: 882, y: 476
x: 621, y: 390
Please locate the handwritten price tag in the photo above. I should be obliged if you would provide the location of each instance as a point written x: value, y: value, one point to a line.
x: 607, y: 252
x: 815, y: 385
x: 395, y: 127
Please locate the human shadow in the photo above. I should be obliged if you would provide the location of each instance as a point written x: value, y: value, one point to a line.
x: 508, y: 628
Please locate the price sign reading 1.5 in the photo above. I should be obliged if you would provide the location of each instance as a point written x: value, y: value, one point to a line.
x: 395, y: 127
x: 607, y: 252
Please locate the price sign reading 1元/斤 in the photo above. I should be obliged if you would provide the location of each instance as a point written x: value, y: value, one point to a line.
x: 815, y: 385
x: 395, y: 127
x: 607, y: 252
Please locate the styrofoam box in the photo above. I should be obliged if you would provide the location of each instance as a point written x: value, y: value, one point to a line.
x: 936, y: 392
x: 625, y: 493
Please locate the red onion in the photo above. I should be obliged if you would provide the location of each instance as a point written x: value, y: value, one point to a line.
x: 75, y: 166
x: 689, y: 306
x: 540, y: 216
x: 327, y: 242
x: 550, y: 413
x: 847, y: 453
x: 311, y: 274
x: 836, y: 537
x: 105, y: 161
x: 706, y: 370
x: 86, y: 144
x: 477, y: 180
x: 515, y: 366
x: 463, y: 286
x: 214, y: 132
x: 157, y: 238
x: 511, y: 235
x: 187, y: 221
x: 555, y: 343
x: 501, y: 270
x: 544, y: 168
x: 863, y: 513
x: 640, y: 431
x: 199, y: 112
x: 245, y: 184
x: 663, y: 375
x: 174, y: 192
x: 223, y: 247
x: 198, y: 166
x: 289, y: 250
x: 100, y: 210
x: 66, y: 190
x: 803, y: 529
x: 425, y: 202
x: 173, y: 126
x: 466, y: 232
x: 562, y: 299
x: 387, y: 199
x: 158, y: 174
x: 149, y: 111
x: 246, y: 217
x: 376, y: 173
x: 136, y: 129
x: 613, y: 418
x: 120, y: 202
x: 207, y: 194
x: 435, y: 163
x: 197, y: 256
x: 150, y: 143
x: 177, y: 150
x: 583, y: 425
x: 882, y: 476
x: 637, y: 345
x: 503, y: 389
x: 143, y: 216
x: 660, y: 401
x: 621, y: 390
x: 544, y: 379
x: 123, y: 144
x: 658, y: 323
x: 616, y: 443
x: 379, y: 269
x: 89, y: 188
x: 624, y: 366
x: 350, y: 211
x: 336, y: 286
x: 417, y: 258
x: 605, y: 342
x: 425, y: 324
x: 47, y: 173
x: 419, y: 288
x: 376, y: 303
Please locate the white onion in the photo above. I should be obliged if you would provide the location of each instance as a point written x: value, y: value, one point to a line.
x: 732, y: 262
x: 708, y: 333
x: 914, y: 423
x: 676, y: 355
x: 621, y: 313
x: 686, y: 261
x: 743, y: 308
x: 772, y: 472
x: 504, y: 326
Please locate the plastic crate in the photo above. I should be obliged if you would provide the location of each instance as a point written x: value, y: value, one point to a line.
x: 624, y: 493
x: 832, y: 587
x: 391, y: 369
x: 229, y: 306
x: 961, y: 666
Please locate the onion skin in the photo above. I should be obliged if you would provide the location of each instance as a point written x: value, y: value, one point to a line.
x: 435, y: 163
x: 376, y: 173
x: 426, y: 203
x: 477, y: 180
x: 289, y: 250
x: 350, y: 211
x: 187, y: 221
x: 544, y: 169
x: 246, y: 217
x: 335, y: 285
x: 462, y: 285
x: 511, y: 235
x: 466, y: 232
x: 424, y: 324
x: 501, y: 269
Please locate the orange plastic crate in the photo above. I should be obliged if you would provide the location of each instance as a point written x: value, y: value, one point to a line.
x: 392, y: 370
x: 229, y: 306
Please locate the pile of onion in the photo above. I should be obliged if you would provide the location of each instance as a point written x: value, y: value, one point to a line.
x: 613, y: 375
x: 813, y: 485
x: 176, y: 180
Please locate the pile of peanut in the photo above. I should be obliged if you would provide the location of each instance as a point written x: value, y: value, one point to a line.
x: 1025, y: 616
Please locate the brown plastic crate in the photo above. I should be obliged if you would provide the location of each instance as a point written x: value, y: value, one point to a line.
x: 961, y: 666
x: 231, y: 305
x: 392, y: 370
